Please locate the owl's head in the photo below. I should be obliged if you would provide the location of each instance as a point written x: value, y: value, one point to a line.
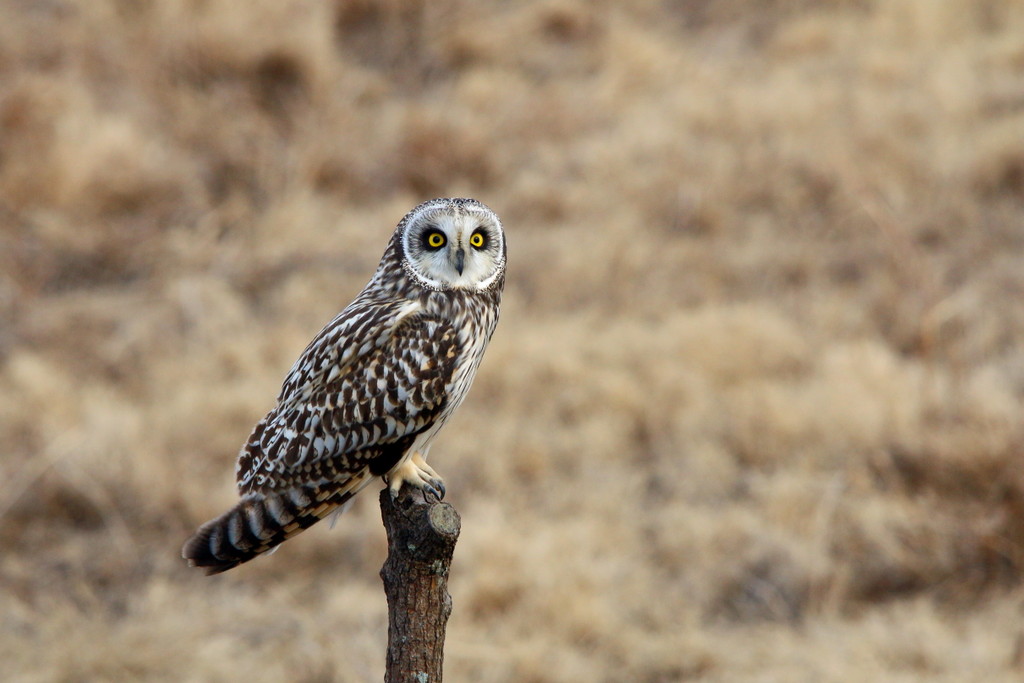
x: 452, y: 244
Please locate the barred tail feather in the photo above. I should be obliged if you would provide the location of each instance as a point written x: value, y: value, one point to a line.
x: 262, y: 521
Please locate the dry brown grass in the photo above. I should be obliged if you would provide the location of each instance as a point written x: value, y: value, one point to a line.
x: 754, y: 408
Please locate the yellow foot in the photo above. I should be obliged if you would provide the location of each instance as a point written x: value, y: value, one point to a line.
x: 417, y: 473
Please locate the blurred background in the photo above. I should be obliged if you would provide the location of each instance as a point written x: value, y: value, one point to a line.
x: 752, y: 413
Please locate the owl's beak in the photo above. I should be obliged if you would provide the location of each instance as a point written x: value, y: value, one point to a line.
x: 460, y: 259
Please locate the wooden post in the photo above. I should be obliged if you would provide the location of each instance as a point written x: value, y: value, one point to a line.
x: 421, y: 540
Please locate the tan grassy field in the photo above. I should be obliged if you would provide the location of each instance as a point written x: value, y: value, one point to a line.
x: 754, y: 408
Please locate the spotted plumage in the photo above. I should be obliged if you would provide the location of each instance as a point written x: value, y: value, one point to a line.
x: 370, y: 392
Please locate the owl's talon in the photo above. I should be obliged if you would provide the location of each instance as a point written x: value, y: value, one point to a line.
x: 416, y: 473
x: 435, y: 488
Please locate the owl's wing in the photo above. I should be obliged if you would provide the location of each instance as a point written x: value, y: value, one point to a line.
x: 354, y: 402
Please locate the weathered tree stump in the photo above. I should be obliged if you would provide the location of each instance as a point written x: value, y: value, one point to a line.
x: 421, y: 540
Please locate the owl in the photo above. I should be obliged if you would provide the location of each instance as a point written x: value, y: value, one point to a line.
x: 371, y: 391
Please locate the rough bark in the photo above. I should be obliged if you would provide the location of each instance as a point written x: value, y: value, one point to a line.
x: 421, y: 540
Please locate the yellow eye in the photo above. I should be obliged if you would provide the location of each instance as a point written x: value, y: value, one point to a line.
x: 477, y: 240
x: 435, y: 240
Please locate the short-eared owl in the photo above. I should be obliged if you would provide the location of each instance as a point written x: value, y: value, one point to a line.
x: 371, y: 391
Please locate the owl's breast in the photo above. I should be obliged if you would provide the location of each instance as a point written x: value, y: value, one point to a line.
x: 475, y: 319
